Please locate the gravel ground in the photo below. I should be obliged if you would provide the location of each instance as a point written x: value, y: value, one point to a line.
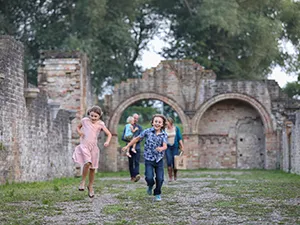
x: 186, y: 201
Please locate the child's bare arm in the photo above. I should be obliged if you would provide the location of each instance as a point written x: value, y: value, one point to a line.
x: 133, y: 129
x: 107, y: 132
x: 78, y: 129
x: 133, y: 141
x: 181, y: 145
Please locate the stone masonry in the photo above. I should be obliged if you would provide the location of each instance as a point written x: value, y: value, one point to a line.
x: 65, y: 77
x: 35, y: 130
x: 226, y: 124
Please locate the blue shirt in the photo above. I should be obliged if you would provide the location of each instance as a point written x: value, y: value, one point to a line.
x: 128, y: 131
x: 152, y: 142
x: 137, y: 146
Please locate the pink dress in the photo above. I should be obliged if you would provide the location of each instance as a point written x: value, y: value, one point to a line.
x: 87, y: 150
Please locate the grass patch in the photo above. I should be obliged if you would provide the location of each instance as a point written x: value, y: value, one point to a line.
x: 228, y: 197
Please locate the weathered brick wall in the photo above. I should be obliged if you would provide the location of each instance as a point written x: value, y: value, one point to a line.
x: 226, y: 124
x: 285, y: 154
x: 295, y: 149
x: 231, y: 135
x: 34, y: 143
x: 64, y: 77
x: 12, y: 109
x: 194, y: 93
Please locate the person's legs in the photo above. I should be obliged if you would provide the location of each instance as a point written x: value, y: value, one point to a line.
x: 130, y: 166
x: 133, y: 148
x: 85, y: 171
x: 91, y: 182
x: 149, y: 175
x: 159, y: 171
x: 169, y: 157
x: 136, y: 164
x: 175, y: 151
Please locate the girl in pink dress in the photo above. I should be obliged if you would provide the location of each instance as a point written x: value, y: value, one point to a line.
x: 87, y: 153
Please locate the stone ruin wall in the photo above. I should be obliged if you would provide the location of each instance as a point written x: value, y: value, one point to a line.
x: 36, y: 131
x: 65, y: 77
x: 37, y: 138
x: 193, y: 92
x: 295, y: 148
x: 291, y: 145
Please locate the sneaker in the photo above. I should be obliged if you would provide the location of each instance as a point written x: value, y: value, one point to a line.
x: 149, y: 190
x: 157, y: 198
x: 137, y: 178
x: 133, y: 150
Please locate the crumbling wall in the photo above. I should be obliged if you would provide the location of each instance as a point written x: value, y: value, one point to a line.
x: 34, y: 138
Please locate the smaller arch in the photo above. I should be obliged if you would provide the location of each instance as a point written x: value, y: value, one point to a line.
x: 116, y: 115
x: 265, y: 116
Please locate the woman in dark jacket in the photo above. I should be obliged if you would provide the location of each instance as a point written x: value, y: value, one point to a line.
x: 174, y: 144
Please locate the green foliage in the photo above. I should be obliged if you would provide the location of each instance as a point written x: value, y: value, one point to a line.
x: 237, y: 39
x: 112, y: 33
x: 144, y: 112
x: 292, y: 89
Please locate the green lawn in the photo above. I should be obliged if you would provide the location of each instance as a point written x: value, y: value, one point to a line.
x: 198, y: 197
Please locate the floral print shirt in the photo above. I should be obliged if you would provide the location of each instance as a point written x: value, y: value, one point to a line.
x: 152, y: 142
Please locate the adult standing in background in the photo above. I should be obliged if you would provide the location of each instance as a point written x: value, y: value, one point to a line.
x: 134, y: 160
x: 174, y: 144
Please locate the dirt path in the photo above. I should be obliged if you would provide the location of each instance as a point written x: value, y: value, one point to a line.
x: 197, y: 200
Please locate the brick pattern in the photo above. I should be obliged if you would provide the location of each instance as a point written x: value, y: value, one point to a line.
x: 194, y: 93
x: 33, y: 144
x: 64, y: 77
x: 226, y: 124
x: 295, y: 146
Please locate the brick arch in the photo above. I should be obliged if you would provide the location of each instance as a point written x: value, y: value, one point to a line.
x: 116, y: 115
x: 265, y: 116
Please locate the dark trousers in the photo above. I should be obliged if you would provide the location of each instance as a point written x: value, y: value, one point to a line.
x: 170, y: 153
x: 134, y: 162
x: 158, y: 168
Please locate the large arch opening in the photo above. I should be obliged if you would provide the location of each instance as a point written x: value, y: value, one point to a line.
x: 116, y: 115
x: 113, y: 153
x: 232, y: 131
x: 265, y: 116
x: 146, y: 108
x: 231, y: 135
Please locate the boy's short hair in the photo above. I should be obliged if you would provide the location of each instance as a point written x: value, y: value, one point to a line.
x: 95, y: 109
x: 161, y: 116
x: 129, y: 118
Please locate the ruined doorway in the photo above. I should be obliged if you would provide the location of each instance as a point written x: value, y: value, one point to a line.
x: 232, y: 136
x: 250, y: 144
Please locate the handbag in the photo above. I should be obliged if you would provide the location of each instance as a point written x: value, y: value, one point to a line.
x: 180, y: 161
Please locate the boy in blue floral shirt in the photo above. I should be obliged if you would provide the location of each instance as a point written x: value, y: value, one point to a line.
x: 155, y: 145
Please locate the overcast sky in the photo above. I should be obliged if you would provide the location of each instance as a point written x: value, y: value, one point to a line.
x: 151, y: 58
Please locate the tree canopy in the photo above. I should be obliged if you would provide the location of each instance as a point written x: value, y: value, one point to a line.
x: 238, y: 39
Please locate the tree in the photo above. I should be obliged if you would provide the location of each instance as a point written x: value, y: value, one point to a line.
x: 112, y: 33
x: 238, y: 39
x: 292, y: 89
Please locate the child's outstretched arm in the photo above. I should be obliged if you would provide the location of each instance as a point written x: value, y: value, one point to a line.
x: 132, y: 142
x: 107, y: 132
